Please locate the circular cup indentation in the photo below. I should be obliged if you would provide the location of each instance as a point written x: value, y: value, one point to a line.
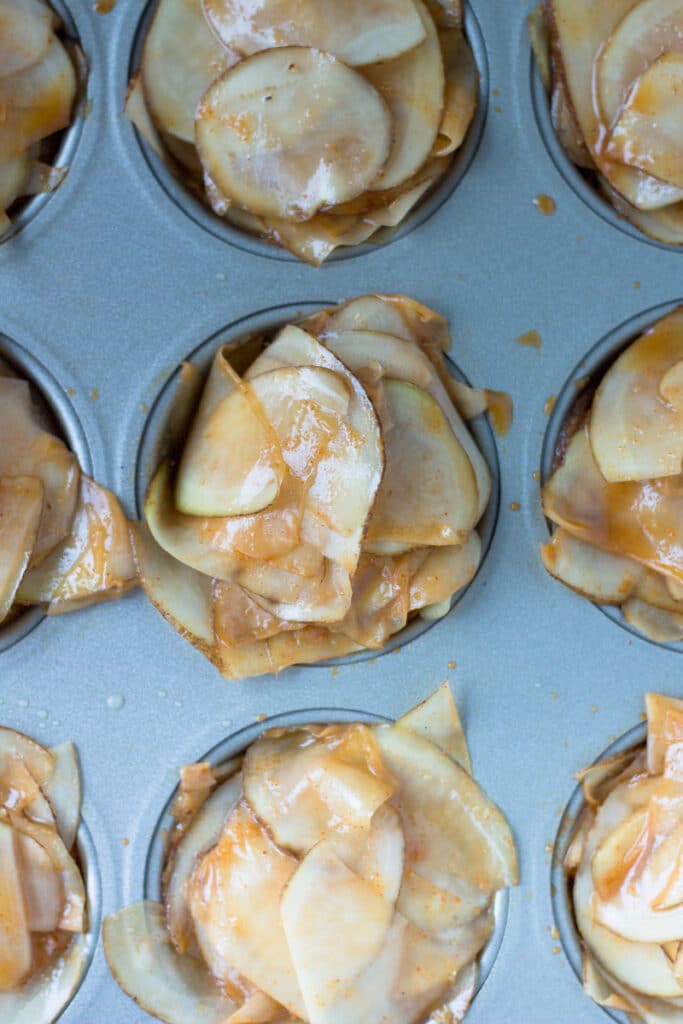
x: 580, y: 384
x: 577, y: 179
x: 65, y: 142
x: 560, y: 887
x: 238, y: 743
x: 197, y: 211
x: 153, y: 450
x: 60, y: 417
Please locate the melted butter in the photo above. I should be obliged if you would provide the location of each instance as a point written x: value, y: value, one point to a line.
x: 545, y: 205
x: 500, y: 410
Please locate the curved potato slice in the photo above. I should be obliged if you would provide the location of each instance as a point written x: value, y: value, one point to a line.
x: 452, y: 830
x: 436, y: 719
x: 367, y: 313
x: 239, y: 619
x: 664, y: 727
x: 94, y: 563
x: 648, y: 132
x: 566, y: 127
x: 635, y: 433
x: 232, y: 463
x: 639, y: 520
x: 307, y: 646
x: 412, y: 86
x: 181, y: 594
x: 172, y: 988
x: 21, y: 506
x: 664, y: 225
x: 16, y: 955
x: 315, y: 239
x: 380, y: 601
x: 73, y: 914
x: 259, y: 1008
x: 592, y: 573
x: 37, y: 101
x: 273, y: 153
x: 647, y: 30
x: 42, y: 997
x: 41, y: 885
x: 203, y: 834
x: 429, y: 494
x: 662, y: 626
x: 25, y: 34
x: 234, y: 898
x: 303, y: 784
x: 397, y: 357
x: 28, y: 450
x: 39, y: 761
x: 285, y: 595
x: 375, y: 854
x: 461, y: 94
x: 63, y: 792
x: 444, y: 572
x: 368, y: 32
x: 180, y: 59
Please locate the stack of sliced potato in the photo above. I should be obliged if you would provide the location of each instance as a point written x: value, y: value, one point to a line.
x: 615, y: 75
x: 617, y: 497
x: 625, y: 864
x: 339, y: 873
x: 324, y: 496
x: 43, y: 912
x: 314, y: 125
x: 64, y: 541
x: 38, y: 84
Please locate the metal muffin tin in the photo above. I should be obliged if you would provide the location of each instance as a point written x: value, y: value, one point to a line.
x: 111, y: 284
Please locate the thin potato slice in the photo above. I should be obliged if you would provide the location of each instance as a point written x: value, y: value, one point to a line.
x: 461, y: 93
x: 664, y: 727
x: 419, y: 504
x: 648, y: 132
x: 25, y: 34
x: 661, y: 626
x: 15, y: 941
x: 41, y: 885
x: 370, y: 31
x: 94, y: 563
x: 37, y: 101
x: 444, y: 572
x: 21, y: 506
x: 592, y: 573
x: 272, y: 152
x: 63, y: 792
x: 180, y: 60
x: 412, y: 86
x: 380, y: 601
x: 232, y: 463
x: 436, y: 719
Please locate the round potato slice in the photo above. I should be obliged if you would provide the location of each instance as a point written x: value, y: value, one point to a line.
x: 180, y: 60
x: 288, y: 131
x: 595, y: 574
x: 413, y: 88
x: 36, y: 102
x: 25, y: 32
x: 649, y: 131
x: 362, y: 32
x: 635, y: 432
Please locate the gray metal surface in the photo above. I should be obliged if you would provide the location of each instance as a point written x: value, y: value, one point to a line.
x: 111, y: 284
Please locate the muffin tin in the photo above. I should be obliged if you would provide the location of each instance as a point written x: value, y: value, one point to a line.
x: 110, y: 285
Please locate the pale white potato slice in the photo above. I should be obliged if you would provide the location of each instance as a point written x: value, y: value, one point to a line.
x: 661, y: 626
x: 664, y: 726
x: 42, y: 997
x: 37, y: 101
x: 232, y: 463
x: 25, y: 34
x: 182, y: 595
x: 73, y: 911
x: 173, y: 988
x: 412, y: 86
x: 566, y: 127
x: 28, y: 450
x: 369, y: 31
x: 93, y: 563
x: 640, y: 520
x: 367, y: 313
x: 238, y: 619
x: 234, y: 898
x: 357, y: 348
x: 259, y: 1008
x: 16, y: 956
x: 648, y: 132
x: 39, y: 761
x: 461, y: 93
x: 664, y: 225
x: 273, y: 151
x: 444, y: 572
x: 436, y: 719
x: 592, y: 573
x: 453, y: 831
x: 285, y: 595
x: 63, y: 791
x: 635, y: 434
x: 303, y: 790
x: 221, y: 546
x: 202, y: 834
x: 428, y: 495
x: 647, y: 29
x: 539, y: 37
x: 21, y: 506
x: 316, y: 239
x: 41, y: 885
x: 180, y: 59
x: 655, y: 589
x: 375, y: 854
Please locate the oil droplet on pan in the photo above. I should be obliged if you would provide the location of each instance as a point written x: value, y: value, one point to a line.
x: 116, y: 701
x: 545, y: 205
x: 549, y: 405
x: 530, y: 339
x: 515, y: 506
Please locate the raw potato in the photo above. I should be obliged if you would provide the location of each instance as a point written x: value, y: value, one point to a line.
x: 313, y: 125
x: 292, y: 896
x: 291, y: 130
x: 43, y: 942
x: 369, y: 488
x: 615, y: 498
x: 627, y: 886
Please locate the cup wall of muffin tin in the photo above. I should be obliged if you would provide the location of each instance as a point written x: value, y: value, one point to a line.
x: 113, y: 285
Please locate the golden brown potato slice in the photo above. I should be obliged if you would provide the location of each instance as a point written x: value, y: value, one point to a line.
x: 664, y: 727
x: 274, y: 152
x: 16, y: 955
x: 592, y: 573
x: 380, y: 601
x: 369, y: 30
x: 37, y: 101
x: 21, y: 506
x: 444, y: 572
